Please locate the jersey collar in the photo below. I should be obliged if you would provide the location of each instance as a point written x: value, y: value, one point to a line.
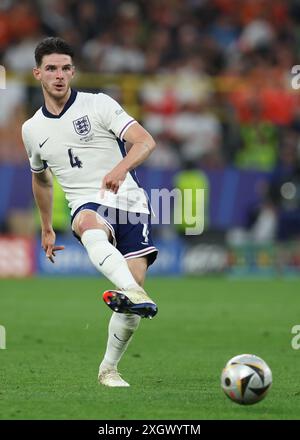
x: 66, y: 107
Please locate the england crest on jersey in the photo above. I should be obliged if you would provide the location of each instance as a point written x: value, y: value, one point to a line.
x: 82, y: 125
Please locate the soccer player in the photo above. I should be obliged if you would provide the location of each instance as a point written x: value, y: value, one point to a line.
x: 80, y: 138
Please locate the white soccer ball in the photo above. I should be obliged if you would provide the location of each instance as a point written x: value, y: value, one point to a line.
x: 246, y: 379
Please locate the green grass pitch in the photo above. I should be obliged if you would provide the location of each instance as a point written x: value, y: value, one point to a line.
x: 56, y: 335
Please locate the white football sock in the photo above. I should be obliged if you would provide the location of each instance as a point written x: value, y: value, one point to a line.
x: 120, y: 331
x: 108, y: 260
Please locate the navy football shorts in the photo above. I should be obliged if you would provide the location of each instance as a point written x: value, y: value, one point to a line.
x: 131, y: 232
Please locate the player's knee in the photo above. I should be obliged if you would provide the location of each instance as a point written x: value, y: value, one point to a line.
x: 87, y: 221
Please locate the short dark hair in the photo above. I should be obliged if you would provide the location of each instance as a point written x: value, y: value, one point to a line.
x: 52, y: 45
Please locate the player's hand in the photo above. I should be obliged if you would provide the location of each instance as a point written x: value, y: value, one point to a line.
x: 48, y: 244
x: 113, y: 180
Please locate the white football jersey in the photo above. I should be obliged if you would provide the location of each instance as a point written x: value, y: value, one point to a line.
x: 82, y: 145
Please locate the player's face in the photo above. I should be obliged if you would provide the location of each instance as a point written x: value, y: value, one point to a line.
x: 55, y: 73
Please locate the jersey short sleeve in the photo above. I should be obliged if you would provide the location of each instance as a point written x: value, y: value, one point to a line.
x: 112, y: 116
x: 36, y: 163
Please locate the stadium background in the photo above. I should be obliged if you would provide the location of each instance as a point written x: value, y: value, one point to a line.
x: 212, y: 81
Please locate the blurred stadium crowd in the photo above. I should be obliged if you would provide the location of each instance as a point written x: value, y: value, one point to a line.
x: 213, y: 81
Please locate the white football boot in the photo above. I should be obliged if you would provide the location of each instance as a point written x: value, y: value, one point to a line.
x: 130, y: 301
x: 110, y: 377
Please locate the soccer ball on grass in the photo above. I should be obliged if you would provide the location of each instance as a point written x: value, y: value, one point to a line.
x: 246, y: 379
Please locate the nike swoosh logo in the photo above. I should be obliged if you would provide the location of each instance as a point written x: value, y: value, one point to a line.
x: 121, y: 340
x: 43, y: 143
x: 100, y: 264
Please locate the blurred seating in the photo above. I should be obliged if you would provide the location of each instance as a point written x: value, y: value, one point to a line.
x: 211, y: 81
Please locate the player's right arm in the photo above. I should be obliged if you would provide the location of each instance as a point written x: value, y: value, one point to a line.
x: 42, y: 188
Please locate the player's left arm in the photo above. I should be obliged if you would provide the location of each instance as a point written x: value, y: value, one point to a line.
x: 142, y: 146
